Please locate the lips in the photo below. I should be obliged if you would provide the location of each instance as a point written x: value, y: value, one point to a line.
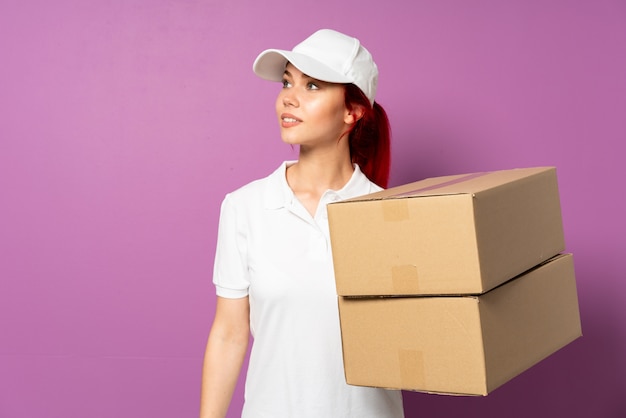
x: 288, y: 120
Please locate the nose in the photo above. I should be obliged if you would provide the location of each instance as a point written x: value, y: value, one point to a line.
x: 289, y: 99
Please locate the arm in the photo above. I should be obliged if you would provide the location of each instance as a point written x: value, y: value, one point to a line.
x: 225, y: 352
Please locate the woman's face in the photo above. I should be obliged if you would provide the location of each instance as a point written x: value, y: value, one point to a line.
x: 311, y: 112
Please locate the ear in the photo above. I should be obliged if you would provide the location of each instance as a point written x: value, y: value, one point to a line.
x: 353, y: 115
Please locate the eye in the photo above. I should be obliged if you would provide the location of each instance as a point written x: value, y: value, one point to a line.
x: 311, y: 85
x: 286, y: 84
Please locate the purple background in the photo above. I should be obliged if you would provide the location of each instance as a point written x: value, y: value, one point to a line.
x: 124, y: 122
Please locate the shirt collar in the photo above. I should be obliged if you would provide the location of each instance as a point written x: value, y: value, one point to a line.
x: 358, y: 185
x: 278, y: 194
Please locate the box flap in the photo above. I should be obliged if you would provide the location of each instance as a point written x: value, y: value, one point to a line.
x: 456, y: 184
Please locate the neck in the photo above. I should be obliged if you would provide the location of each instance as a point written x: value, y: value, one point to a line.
x: 316, y: 172
x: 321, y: 171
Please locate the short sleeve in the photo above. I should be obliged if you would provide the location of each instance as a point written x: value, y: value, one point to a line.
x: 230, y: 272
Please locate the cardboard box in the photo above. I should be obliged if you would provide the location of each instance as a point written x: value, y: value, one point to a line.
x: 460, y: 344
x: 461, y: 234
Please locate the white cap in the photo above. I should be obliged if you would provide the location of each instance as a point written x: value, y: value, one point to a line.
x: 327, y: 55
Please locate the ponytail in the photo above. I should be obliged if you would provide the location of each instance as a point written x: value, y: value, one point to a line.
x: 370, y: 137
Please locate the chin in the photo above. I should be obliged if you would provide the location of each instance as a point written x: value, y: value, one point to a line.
x: 290, y: 140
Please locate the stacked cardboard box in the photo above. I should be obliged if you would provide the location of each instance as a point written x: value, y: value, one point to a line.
x: 453, y: 284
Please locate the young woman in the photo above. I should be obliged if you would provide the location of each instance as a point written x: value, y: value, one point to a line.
x: 273, y: 265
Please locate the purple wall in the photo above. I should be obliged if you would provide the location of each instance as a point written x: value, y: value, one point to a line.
x: 123, y: 123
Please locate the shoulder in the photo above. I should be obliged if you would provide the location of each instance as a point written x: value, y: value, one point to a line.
x: 374, y: 187
x: 247, y: 192
x: 260, y: 192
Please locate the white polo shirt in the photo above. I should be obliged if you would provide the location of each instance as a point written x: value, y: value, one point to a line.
x: 271, y: 249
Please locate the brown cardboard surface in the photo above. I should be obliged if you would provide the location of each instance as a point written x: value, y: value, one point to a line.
x: 460, y: 344
x: 462, y: 234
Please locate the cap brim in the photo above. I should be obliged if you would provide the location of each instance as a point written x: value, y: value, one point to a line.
x: 271, y: 63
